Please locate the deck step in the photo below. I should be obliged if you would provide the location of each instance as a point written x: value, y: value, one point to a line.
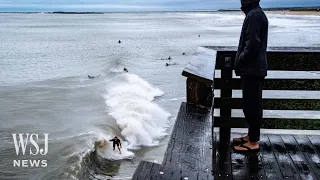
x: 190, y: 145
x: 147, y: 170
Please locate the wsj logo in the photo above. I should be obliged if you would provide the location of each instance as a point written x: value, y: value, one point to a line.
x: 21, y: 141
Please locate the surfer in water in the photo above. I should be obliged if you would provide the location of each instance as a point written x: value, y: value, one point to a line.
x: 125, y: 70
x: 92, y: 77
x: 117, y: 142
x: 170, y: 64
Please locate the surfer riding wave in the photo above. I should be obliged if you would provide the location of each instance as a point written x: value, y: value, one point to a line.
x: 116, y: 142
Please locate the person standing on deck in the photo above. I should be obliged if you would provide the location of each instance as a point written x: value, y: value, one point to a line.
x: 251, y: 65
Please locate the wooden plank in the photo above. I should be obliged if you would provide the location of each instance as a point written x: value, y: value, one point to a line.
x: 171, y: 145
x: 204, y: 176
x: 222, y: 176
x: 226, y: 92
x: 315, y: 140
x: 298, y: 158
x: 176, y: 174
x: 199, y: 93
x: 195, y: 146
x: 147, y: 170
x: 189, y: 147
x: 274, y: 104
x: 269, y: 161
x: 179, y: 140
x: 310, y: 153
x: 286, y: 165
x: 138, y: 170
x: 283, y: 61
x: 169, y: 172
x: 201, y: 67
x: 187, y: 174
x: 246, y: 166
x: 166, y: 172
x: 270, y: 123
x: 273, y: 84
x: 293, y: 61
x: 239, y: 165
x: 192, y: 91
x: 197, y: 78
x: 143, y: 171
x: 155, y: 172
x: 214, y: 148
x: 222, y: 164
x: 230, y: 49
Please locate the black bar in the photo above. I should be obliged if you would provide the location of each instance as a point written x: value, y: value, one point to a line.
x: 270, y: 123
x: 273, y: 84
x: 281, y: 61
x: 275, y: 104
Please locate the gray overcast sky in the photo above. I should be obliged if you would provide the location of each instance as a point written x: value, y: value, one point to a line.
x: 140, y: 5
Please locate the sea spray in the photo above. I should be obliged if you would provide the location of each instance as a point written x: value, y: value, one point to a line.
x: 130, y: 102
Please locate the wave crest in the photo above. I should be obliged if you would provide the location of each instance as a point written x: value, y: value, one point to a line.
x: 130, y: 102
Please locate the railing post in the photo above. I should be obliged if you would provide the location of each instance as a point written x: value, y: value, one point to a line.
x: 221, y: 153
x: 199, y: 93
x: 226, y: 95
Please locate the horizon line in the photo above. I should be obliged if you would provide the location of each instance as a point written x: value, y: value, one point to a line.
x: 122, y: 11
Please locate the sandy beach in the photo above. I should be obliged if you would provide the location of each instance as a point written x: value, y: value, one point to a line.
x: 314, y: 13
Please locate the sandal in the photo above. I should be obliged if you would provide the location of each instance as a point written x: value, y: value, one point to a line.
x: 242, y: 141
x: 249, y: 150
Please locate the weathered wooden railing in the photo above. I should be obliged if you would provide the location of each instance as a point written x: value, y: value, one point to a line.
x: 195, y: 150
x: 290, y: 60
x: 279, y: 59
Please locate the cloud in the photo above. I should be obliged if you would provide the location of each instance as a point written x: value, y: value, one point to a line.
x: 82, y: 6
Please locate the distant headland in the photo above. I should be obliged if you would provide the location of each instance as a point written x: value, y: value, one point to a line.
x: 57, y: 12
x: 64, y: 12
x: 316, y: 9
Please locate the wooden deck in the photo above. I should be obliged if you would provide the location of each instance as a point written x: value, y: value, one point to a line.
x: 190, y: 153
x: 280, y: 157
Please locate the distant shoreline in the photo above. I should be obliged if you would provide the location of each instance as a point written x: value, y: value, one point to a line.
x: 313, y: 13
x: 298, y: 9
x: 292, y: 10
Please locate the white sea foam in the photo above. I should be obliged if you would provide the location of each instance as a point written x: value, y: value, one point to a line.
x: 130, y: 102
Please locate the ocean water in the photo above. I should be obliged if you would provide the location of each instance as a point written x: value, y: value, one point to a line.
x: 44, y: 63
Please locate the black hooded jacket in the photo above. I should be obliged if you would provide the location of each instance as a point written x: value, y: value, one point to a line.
x: 251, y: 58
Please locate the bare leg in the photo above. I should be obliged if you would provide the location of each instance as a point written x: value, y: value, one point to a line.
x: 246, y: 138
x: 119, y: 149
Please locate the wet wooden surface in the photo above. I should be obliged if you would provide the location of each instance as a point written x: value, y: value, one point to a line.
x: 281, y: 157
x: 151, y: 171
x: 191, y: 154
x: 190, y: 145
x: 147, y: 170
x: 202, y: 65
x: 294, y: 157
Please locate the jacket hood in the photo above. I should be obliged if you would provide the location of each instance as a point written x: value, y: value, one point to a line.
x: 247, y: 5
